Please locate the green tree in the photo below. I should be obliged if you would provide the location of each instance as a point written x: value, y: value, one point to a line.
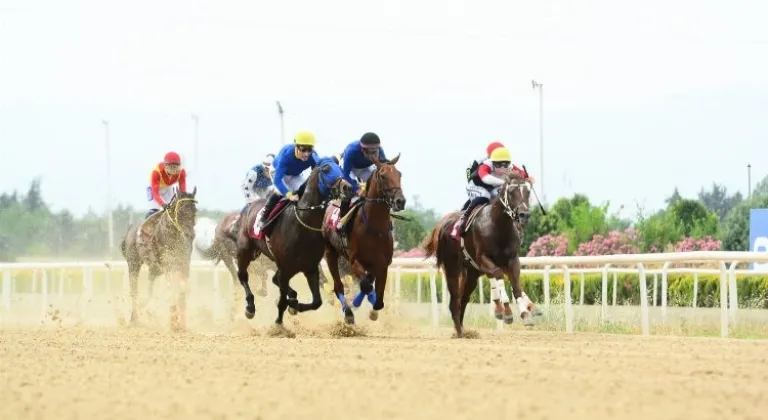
x: 693, y: 218
x: 718, y: 200
x: 736, y: 224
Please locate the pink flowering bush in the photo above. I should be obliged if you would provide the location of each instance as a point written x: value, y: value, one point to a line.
x: 614, y: 242
x: 549, y: 245
x: 690, y: 244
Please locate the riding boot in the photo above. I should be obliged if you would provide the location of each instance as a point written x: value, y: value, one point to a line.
x: 464, y: 216
x: 270, y: 204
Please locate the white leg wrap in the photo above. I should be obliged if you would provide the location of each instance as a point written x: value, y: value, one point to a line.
x: 494, y: 289
x: 522, y: 304
x: 503, y: 290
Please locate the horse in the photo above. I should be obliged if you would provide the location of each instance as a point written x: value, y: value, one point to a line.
x: 369, y: 247
x: 292, y: 238
x: 224, y: 249
x: 163, y: 241
x: 492, y: 247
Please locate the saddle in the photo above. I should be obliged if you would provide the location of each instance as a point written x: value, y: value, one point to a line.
x: 470, y: 219
x: 146, y: 229
x: 339, y: 225
x: 273, y: 215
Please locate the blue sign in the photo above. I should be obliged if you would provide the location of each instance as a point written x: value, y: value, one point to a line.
x: 758, y: 235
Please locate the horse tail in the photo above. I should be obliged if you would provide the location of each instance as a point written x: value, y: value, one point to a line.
x: 122, y: 248
x: 431, y: 244
x: 211, y: 253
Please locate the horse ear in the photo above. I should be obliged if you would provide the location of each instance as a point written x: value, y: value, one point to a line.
x: 194, y: 191
x: 376, y: 161
x: 394, y: 161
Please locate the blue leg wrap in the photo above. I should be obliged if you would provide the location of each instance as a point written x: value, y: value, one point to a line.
x: 372, y: 297
x: 358, y: 300
x: 343, y: 302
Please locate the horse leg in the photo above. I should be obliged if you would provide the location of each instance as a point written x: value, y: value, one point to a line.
x: 502, y: 288
x: 332, y: 259
x: 313, y: 280
x: 244, y: 255
x: 498, y: 310
x: 365, y: 283
x: 452, y: 276
x: 377, y: 297
x: 134, y: 267
x: 470, y: 284
x: 517, y: 292
x: 263, y: 291
x: 282, y: 304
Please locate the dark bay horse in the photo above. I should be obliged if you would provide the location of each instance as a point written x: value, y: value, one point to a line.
x: 224, y: 249
x: 491, y: 247
x: 293, y: 238
x: 163, y: 242
x: 369, y: 246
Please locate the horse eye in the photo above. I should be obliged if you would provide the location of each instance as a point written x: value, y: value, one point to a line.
x: 326, y: 168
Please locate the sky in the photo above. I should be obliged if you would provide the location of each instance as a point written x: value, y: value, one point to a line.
x: 639, y: 97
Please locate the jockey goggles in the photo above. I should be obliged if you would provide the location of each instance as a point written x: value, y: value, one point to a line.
x: 501, y: 164
x: 304, y: 149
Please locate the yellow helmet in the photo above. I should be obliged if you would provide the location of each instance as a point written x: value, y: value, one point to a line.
x: 304, y: 138
x: 501, y: 154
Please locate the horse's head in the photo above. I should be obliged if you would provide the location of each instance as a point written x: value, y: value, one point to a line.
x: 514, y: 196
x: 183, y: 210
x: 385, y: 183
x: 331, y: 183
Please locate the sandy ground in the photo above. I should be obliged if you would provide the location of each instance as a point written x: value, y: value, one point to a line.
x: 393, y: 372
x: 80, y: 362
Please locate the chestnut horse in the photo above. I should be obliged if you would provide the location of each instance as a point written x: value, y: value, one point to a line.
x: 293, y: 238
x: 370, y: 245
x: 163, y: 241
x: 492, y: 247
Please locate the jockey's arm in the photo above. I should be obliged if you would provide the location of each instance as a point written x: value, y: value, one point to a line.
x: 183, y: 180
x: 280, y: 186
x: 155, y: 187
x: 522, y: 173
x: 346, y: 170
x: 250, y: 179
x: 487, y: 177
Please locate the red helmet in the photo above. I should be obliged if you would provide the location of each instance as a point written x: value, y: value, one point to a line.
x: 493, y: 146
x: 172, y: 157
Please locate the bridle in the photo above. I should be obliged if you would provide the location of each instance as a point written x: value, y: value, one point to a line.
x: 521, y: 207
x: 386, y: 192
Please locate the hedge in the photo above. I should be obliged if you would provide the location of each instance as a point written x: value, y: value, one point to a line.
x: 752, y: 290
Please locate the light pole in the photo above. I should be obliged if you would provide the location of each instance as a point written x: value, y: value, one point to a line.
x: 282, y: 126
x: 540, y: 86
x: 196, y: 120
x: 749, y: 181
x: 110, y: 221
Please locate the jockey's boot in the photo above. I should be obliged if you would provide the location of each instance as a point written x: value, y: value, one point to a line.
x: 343, y: 210
x: 459, y: 229
x: 268, y: 206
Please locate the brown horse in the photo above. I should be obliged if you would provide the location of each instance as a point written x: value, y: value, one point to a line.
x: 492, y: 247
x: 293, y: 238
x: 163, y: 241
x: 370, y: 245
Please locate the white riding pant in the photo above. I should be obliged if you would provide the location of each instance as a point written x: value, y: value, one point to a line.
x: 474, y: 191
x: 293, y: 182
x: 166, y: 193
x: 364, y: 174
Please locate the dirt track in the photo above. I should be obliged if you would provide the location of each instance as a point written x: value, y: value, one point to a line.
x: 129, y: 373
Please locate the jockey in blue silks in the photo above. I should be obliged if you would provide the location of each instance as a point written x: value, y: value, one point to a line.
x: 358, y: 161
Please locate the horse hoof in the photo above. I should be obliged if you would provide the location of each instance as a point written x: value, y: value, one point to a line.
x: 249, y: 315
x: 537, y: 312
x: 509, y: 319
x: 349, y: 320
x: 528, y: 321
x: 292, y: 311
x: 373, y: 315
x: 499, y: 315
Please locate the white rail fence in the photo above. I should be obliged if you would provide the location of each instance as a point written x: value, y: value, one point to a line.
x: 545, y: 266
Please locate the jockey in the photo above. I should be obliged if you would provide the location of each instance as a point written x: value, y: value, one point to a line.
x: 164, y: 176
x: 484, y: 182
x: 258, y: 180
x: 476, y: 164
x: 290, y: 162
x: 358, y: 160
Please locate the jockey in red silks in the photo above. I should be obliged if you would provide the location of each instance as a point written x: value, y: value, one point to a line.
x: 164, y: 176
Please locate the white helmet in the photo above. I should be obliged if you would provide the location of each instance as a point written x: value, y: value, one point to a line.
x: 268, y: 159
